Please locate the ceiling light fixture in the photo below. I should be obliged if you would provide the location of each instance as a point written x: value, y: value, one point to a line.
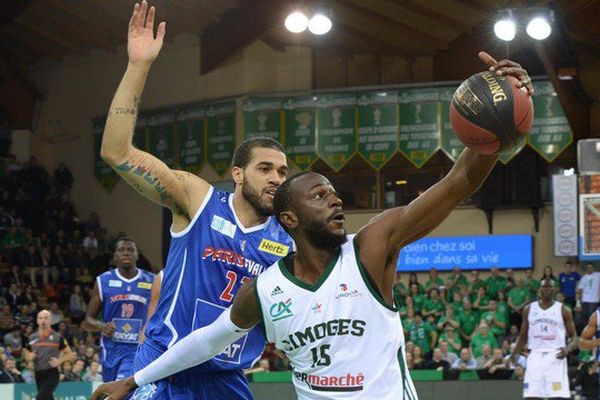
x: 319, y: 24
x: 537, y: 20
x: 296, y: 22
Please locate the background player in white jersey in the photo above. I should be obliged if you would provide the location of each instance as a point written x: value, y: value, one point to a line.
x: 545, y: 327
x: 590, y: 337
x: 122, y: 297
x: 310, y: 209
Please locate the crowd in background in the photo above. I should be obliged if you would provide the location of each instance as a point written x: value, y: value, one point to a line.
x: 50, y: 258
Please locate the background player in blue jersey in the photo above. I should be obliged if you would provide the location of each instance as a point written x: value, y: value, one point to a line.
x: 122, y: 295
x: 219, y: 240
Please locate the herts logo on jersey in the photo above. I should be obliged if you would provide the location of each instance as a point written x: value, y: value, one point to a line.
x: 274, y: 248
x: 144, y: 285
x: 323, y: 383
x: 230, y: 257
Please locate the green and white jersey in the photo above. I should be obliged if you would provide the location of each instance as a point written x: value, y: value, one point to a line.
x: 343, y: 340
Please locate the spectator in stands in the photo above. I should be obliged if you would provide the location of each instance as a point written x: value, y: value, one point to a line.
x: 27, y: 373
x: 486, y: 355
x: 434, y: 280
x: 532, y: 284
x: 57, y: 315
x: 450, y: 335
x: 76, y: 371
x: 13, y: 339
x: 549, y: 274
x: 7, y: 321
x: 13, y: 297
x: 497, y: 367
x: 468, y: 319
x: 63, y: 179
x: 475, y: 282
x: 448, y: 318
x: 481, y: 301
x: 465, y: 362
x: 414, y: 278
x: 510, y: 279
x: 93, y: 374
x: 423, y: 334
x: 519, y: 373
x: 495, y: 319
x: 568, y: 283
x: 589, y: 286
x: 9, y: 373
x: 437, y: 362
x: 417, y: 297
x: 12, y: 245
x: 481, y: 337
x: 417, y: 358
x: 77, y: 304
x: 447, y: 355
x: 90, y: 242
x: 433, y: 307
x: 517, y: 300
x: 456, y: 280
x: 495, y: 282
x: 513, y: 334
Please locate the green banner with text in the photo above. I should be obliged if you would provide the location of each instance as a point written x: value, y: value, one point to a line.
x: 262, y: 117
x: 300, y: 130
x: 551, y: 133
x: 192, y: 137
x: 161, y: 135
x: 377, y: 127
x: 103, y: 172
x: 451, y: 144
x: 420, y: 131
x: 220, y: 131
x: 336, y: 129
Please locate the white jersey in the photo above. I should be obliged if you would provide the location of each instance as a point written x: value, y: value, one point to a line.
x: 547, y: 330
x: 343, y: 340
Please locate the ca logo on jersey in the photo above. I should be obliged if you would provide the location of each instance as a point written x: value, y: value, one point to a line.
x: 281, y: 310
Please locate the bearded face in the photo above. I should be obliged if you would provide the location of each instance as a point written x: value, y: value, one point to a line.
x: 262, y: 204
x: 321, y: 235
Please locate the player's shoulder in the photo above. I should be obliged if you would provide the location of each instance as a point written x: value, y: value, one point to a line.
x: 146, y: 275
x: 108, y: 274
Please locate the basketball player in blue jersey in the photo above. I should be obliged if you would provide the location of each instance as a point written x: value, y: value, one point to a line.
x: 218, y: 240
x: 590, y: 336
x: 122, y: 295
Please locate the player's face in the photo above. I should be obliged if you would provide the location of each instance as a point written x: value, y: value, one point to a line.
x: 319, y: 211
x: 126, y: 254
x: 261, y: 178
x: 547, y: 289
x: 43, y: 319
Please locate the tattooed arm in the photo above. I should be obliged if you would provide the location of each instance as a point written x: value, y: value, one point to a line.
x: 179, y: 191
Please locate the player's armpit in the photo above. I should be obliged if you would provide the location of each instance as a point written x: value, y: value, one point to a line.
x: 180, y: 191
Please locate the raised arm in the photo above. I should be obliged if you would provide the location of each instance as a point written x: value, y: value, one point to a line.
x: 142, y: 171
x: 199, y: 346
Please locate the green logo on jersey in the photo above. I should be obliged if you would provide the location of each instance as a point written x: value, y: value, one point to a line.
x: 281, y: 310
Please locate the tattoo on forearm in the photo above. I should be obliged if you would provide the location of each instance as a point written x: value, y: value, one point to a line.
x: 146, y: 168
x: 126, y: 110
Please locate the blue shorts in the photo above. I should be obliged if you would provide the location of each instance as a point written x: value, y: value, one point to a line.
x: 190, y: 384
x: 120, y: 370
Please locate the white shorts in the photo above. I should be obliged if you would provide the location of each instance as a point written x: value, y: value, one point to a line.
x: 546, y: 376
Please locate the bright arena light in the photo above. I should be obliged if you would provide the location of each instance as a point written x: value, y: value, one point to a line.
x: 296, y: 22
x: 319, y: 24
x: 505, y: 29
x: 539, y: 28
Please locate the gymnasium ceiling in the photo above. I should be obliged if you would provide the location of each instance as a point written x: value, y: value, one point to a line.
x: 31, y: 30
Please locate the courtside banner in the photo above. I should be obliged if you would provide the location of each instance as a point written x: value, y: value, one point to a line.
x: 467, y: 252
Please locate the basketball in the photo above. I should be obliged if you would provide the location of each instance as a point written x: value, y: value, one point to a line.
x: 490, y: 114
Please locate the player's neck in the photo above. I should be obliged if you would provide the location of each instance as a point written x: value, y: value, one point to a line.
x: 127, y: 273
x: 246, y: 214
x: 311, y: 262
x: 546, y: 304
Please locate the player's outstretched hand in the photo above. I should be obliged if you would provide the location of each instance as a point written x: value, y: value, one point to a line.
x: 142, y: 47
x: 562, y: 353
x: 508, y: 67
x: 116, y: 390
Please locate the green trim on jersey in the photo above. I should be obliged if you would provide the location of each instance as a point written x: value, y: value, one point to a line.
x: 304, y: 285
x: 262, y: 317
x: 409, y: 395
x: 363, y: 274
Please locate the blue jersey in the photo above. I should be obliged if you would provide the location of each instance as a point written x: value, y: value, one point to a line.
x: 207, y: 264
x: 124, y: 303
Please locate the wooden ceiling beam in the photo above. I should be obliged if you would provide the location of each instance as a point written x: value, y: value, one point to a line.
x: 30, y: 42
x: 56, y: 38
x: 371, y: 41
x: 73, y: 30
x: 437, y: 16
x: 89, y: 20
x: 237, y: 29
x: 402, y: 30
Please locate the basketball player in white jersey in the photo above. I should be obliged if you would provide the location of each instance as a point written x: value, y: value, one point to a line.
x: 545, y: 327
x: 329, y: 305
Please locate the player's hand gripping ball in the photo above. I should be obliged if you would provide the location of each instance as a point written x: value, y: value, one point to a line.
x: 490, y: 114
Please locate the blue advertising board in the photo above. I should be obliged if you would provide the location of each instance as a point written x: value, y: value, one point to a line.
x: 468, y: 252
